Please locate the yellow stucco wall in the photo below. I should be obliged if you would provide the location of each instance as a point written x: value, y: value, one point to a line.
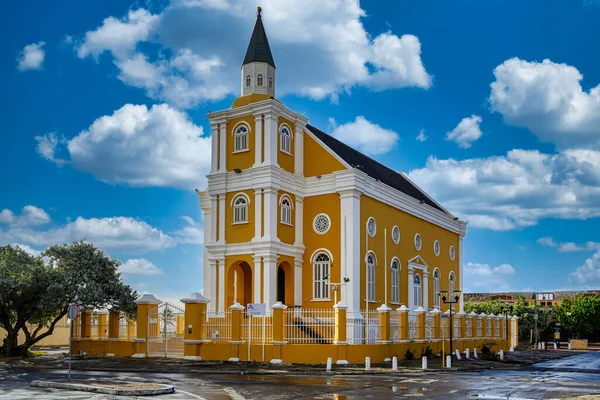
x: 285, y: 161
x: 386, y: 217
x: 243, y: 160
x: 317, y: 161
x: 241, y: 232
x: 330, y: 205
x: 285, y: 232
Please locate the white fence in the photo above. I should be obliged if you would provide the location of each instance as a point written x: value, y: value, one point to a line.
x: 309, y: 326
x: 363, y: 328
x: 468, y: 327
x: 217, y: 326
x: 412, y: 327
x: 429, y: 326
x: 488, y: 328
x: 478, y: 327
x: 456, y: 327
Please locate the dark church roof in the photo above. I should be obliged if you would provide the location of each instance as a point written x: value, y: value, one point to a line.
x: 258, y: 49
x: 373, y: 168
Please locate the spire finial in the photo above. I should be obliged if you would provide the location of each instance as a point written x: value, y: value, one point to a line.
x: 258, y: 10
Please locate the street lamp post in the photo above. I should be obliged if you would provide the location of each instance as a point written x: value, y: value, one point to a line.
x: 506, y: 311
x: 535, y: 317
x: 456, y: 296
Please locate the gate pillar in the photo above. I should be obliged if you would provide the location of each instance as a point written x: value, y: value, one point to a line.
x: 195, y: 319
x: 144, y: 304
x: 403, y: 318
x: 277, y: 332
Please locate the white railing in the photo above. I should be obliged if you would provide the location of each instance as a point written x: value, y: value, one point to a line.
x: 258, y: 329
x: 412, y: 327
x: 468, y: 327
x: 127, y: 328
x: 456, y: 328
x: 217, y: 327
x: 479, y: 328
x: 429, y: 326
x: 309, y: 326
x: 363, y: 328
x: 488, y: 328
x: 497, y: 327
x: 444, y: 331
x: 395, y: 328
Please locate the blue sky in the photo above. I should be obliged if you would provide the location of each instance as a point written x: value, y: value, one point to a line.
x: 493, y: 107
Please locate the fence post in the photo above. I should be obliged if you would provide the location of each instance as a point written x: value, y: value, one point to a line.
x: 473, y: 317
x: 86, y: 324
x: 384, y: 324
x: 499, y: 332
x: 236, y: 331
x: 492, y: 324
x: 113, y: 325
x: 144, y: 304
x: 341, y: 335
x: 515, y: 332
x: 436, y: 323
x: 483, y: 317
x: 403, y: 321
x: 420, y: 323
x: 195, y: 318
x: 179, y: 328
x: 102, y: 325
x: 277, y: 340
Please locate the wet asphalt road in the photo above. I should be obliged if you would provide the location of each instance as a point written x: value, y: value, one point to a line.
x: 564, y: 378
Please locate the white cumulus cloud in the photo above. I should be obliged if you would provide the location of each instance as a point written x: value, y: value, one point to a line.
x: 487, y: 278
x: 466, y: 132
x: 547, y: 98
x: 587, y: 275
x: 365, y: 136
x: 31, y: 57
x: 30, y: 216
x: 421, y: 137
x: 191, y: 233
x: 140, y: 266
x: 569, y: 247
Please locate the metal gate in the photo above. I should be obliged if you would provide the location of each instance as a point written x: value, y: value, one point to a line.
x: 165, y: 331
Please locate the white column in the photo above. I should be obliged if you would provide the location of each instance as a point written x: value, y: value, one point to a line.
x: 258, y: 140
x: 351, y: 251
x: 270, y: 276
x: 257, y: 214
x: 222, y: 147
x: 214, y: 218
x: 425, y: 290
x: 411, y: 290
x: 222, y: 304
x: 257, y: 281
x: 298, y: 281
x: 460, y: 273
x: 222, y: 211
x: 299, y: 151
x: 212, y: 266
x: 271, y: 140
x: 206, y: 270
x: 270, y: 217
x: 299, y: 223
x: 214, y: 166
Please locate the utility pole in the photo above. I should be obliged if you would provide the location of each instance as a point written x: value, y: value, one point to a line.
x: 535, y: 318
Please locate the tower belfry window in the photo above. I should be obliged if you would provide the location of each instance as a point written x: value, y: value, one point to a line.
x: 259, y: 80
x: 270, y: 83
x: 248, y: 80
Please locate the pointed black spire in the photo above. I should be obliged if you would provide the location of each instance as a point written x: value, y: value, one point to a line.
x: 258, y: 49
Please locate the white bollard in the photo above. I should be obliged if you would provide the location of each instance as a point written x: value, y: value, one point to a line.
x: 501, y: 353
x: 457, y: 354
x: 467, y: 353
x: 329, y: 364
x: 555, y: 347
x: 475, y: 353
x: 424, y: 362
x: 395, y: 363
x: 511, y: 349
x: 448, y: 362
x: 367, y: 363
x: 569, y: 345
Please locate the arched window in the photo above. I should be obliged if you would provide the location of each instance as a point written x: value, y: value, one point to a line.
x: 248, y: 80
x: 241, y: 138
x: 451, y: 286
x: 285, y: 141
x: 259, y: 80
x: 240, y: 209
x: 270, y: 83
x: 321, y: 268
x: 418, y: 293
x: 286, y: 210
x: 436, y: 288
x: 395, y: 281
x: 370, y: 278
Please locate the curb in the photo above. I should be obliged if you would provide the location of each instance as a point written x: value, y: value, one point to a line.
x: 166, y: 389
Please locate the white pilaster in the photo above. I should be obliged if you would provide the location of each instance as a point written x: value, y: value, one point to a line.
x: 258, y: 121
x: 298, y: 281
x: 460, y: 273
x: 222, y: 147
x: 257, y: 214
x: 257, y: 280
x: 411, y: 290
x: 299, y: 150
x: 222, y: 211
x: 214, y: 218
x: 222, y: 306
x: 270, y: 276
x: 214, y: 166
x: 271, y: 140
x: 270, y: 217
x: 350, y: 245
x: 207, y: 276
x: 212, y: 284
x: 299, y: 223
x: 425, y: 290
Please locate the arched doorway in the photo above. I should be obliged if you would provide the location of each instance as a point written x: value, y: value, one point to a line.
x: 281, y: 285
x: 239, y: 286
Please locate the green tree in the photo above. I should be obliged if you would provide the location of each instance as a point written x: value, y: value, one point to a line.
x: 34, y: 296
x: 580, y: 315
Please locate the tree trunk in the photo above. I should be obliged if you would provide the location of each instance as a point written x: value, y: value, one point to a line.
x: 10, y: 347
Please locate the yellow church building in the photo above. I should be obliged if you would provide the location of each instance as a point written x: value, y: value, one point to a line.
x: 292, y: 214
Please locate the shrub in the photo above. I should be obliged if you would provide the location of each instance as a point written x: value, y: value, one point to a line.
x: 427, y: 352
x: 410, y: 355
x: 488, y: 354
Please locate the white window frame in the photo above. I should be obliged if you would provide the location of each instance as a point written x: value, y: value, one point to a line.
x: 436, y: 248
x: 240, y: 210
x: 259, y: 80
x: 286, y: 211
x: 417, y: 291
x: 420, y: 242
x: 321, y: 276
x: 285, y: 141
x: 371, y: 271
x: 241, y: 138
x: 395, y: 228
x: 248, y: 81
x: 328, y: 223
x: 452, y: 253
x: 436, y: 288
x: 372, y: 234
x: 395, y: 267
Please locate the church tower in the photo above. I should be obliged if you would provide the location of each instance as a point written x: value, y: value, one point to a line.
x: 258, y: 69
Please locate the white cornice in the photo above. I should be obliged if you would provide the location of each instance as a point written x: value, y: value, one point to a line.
x: 259, y: 248
x: 268, y: 107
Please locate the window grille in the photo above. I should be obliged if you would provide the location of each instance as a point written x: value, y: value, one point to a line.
x: 285, y: 142
x: 241, y: 139
x: 321, y: 271
x: 240, y: 210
